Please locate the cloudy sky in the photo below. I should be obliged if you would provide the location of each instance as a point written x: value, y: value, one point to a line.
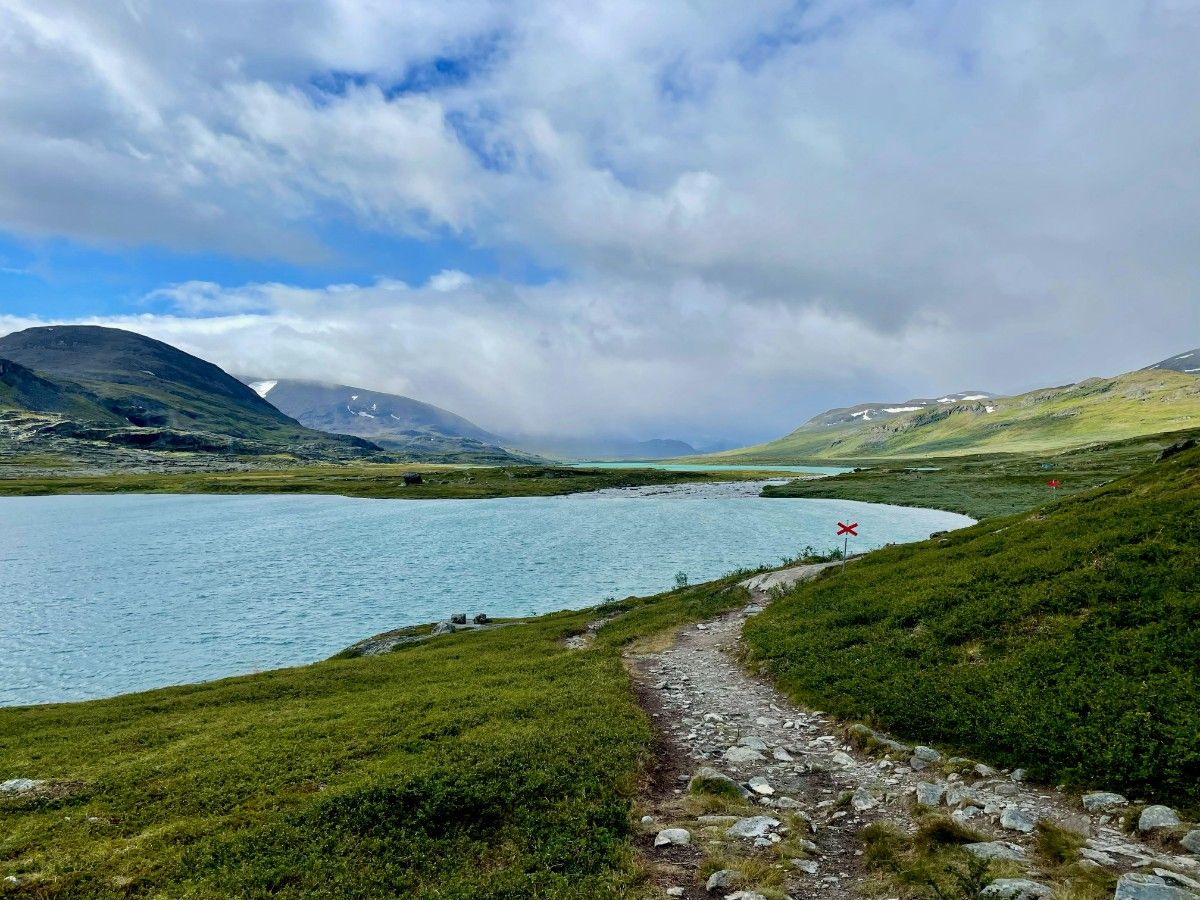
x: 692, y: 219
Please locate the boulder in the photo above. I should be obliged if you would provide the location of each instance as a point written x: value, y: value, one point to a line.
x: 458, y: 619
x: 961, y: 795
x: 842, y: 760
x: 1140, y: 886
x: 1157, y: 817
x: 996, y: 850
x: 1016, y: 819
x: 1177, y: 447
x: 1018, y: 775
x: 864, y: 798
x: 754, y: 743
x: 927, y: 754
x: 723, y: 880
x: 929, y: 794
x: 781, y: 755
x: 1102, y: 801
x: 1191, y: 841
x: 1016, y: 889
x: 443, y: 628
x: 20, y: 785
x: 752, y: 827
x: 481, y: 619
x: 807, y: 866
x: 679, y: 837
x: 984, y: 771
x: 760, y: 786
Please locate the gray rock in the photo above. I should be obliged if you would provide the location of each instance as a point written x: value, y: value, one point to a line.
x: 864, y: 799
x: 1191, y: 841
x: 1097, y: 856
x: 1015, y: 819
x: 754, y: 743
x: 786, y: 803
x: 1157, y: 817
x: 752, y: 827
x: 966, y: 814
x: 481, y: 619
x: 458, y: 619
x: 842, y: 759
x: 1016, y: 889
x: 984, y: 771
x: 723, y: 880
x: 781, y: 755
x: 760, y: 786
x: 1177, y: 878
x: 717, y: 820
x: 20, y: 785
x: 676, y: 892
x: 443, y: 628
x: 1102, y: 801
x: 961, y: 795
x: 807, y: 866
x: 996, y: 850
x: 1018, y: 775
x: 647, y: 820
x: 745, y: 895
x: 707, y: 778
x: 930, y: 794
x: 1139, y: 886
x: 678, y: 836
x: 927, y: 754
x: 743, y: 755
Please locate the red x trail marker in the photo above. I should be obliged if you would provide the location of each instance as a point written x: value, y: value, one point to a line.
x: 843, y: 528
x: 1054, y: 483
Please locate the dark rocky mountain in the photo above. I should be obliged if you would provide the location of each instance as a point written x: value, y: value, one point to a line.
x: 110, y: 384
x: 419, y: 430
x: 1188, y: 362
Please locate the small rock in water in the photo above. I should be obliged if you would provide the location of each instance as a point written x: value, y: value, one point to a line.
x: 1016, y: 889
x: 677, y: 836
x: 723, y: 880
x: 761, y: 786
x: 929, y: 794
x: 1157, y: 817
x: 1015, y: 819
x: 458, y: 619
x: 481, y: 619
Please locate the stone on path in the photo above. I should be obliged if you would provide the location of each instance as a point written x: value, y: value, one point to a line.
x: 752, y: 827
x: 1016, y: 889
x: 924, y: 757
x: 723, y: 880
x: 676, y: 892
x: 1157, y: 817
x: 842, y: 760
x: 1191, y: 841
x: 781, y: 755
x: 745, y: 895
x: 1139, y: 886
x: 929, y: 794
x: 743, y: 755
x: 807, y: 866
x: 754, y: 743
x: 863, y: 799
x: 711, y: 781
x: 996, y: 850
x: 678, y: 836
x: 1016, y: 819
x: 761, y: 786
x: 1102, y: 801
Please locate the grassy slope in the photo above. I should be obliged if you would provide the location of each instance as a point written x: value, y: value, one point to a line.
x: 363, y: 480
x: 1110, y: 409
x: 988, y: 484
x: 1065, y: 639
x: 486, y: 765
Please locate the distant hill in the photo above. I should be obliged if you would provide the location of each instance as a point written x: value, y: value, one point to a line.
x: 1157, y: 399
x: 599, y: 448
x: 1185, y: 362
x: 417, y: 429
x: 112, y: 385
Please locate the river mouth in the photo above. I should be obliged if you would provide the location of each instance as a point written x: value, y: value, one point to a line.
x: 119, y: 593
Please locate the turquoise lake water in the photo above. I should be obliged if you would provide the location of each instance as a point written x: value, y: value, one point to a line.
x: 699, y: 467
x: 105, y: 595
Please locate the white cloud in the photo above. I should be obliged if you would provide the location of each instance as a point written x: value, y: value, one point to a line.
x: 743, y: 196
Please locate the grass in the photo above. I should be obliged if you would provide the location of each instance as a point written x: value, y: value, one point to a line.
x: 988, y: 484
x: 363, y: 480
x: 1047, y: 420
x: 1062, y: 640
x: 480, y: 765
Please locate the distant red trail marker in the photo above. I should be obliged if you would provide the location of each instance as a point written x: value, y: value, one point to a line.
x: 843, y: 528
x: 1054, y: 483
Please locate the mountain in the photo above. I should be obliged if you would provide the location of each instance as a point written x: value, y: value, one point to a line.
x: 112, y: 385
x: 416, y: 429
x: 602, y: 448
x: 1149, y: 401
x: 1185, y: 362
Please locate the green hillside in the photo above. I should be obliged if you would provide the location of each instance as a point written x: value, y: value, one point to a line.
x: 110, y: 385
x: 1064, y: 639
x: 1097, y: 410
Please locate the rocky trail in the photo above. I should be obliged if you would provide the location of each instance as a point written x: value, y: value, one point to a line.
x: 726, y: 740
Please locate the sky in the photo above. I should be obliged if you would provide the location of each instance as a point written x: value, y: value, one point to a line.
x: 689, y: 219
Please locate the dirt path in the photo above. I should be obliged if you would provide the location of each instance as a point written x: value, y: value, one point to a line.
x: 820, y: 790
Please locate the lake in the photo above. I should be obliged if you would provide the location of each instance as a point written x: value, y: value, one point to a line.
x: 702, y: 467
x: 109, y: 594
